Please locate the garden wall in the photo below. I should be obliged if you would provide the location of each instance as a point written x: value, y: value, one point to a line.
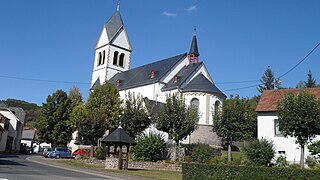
x: 203, y: 171
x: 112, y: 163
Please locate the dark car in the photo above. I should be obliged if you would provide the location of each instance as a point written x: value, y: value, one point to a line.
x: 59, y: 152
x: 28, y: 150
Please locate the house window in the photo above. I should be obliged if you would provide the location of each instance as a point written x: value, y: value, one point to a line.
x: 277, y: 131
x: 195, y: 104
x: 121, y: 60
x: 115, y: 58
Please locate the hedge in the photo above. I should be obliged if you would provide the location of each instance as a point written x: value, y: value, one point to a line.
x: 205, y: 171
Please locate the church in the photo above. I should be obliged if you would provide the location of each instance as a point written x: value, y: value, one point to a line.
x: 184, y: 74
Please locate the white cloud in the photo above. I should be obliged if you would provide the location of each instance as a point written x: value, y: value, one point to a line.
x: 169, y: 14
x: 192, y: 8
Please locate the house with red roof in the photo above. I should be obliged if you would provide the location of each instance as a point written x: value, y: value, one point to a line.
x: 268, y: 127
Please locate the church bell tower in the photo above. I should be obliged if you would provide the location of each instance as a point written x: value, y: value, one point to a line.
x: 112, y: 51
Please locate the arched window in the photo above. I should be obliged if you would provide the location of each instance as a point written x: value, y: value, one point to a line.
x: 216, y: 106
x: 121, y: 60
x: 99, y: 59
x: 104, y: 57
x: 115, y: 58
x: 195, y: 104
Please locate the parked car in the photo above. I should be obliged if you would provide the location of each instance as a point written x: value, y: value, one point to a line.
x: 59, y: 152
x: 82, y: 152
x: 28, y: 150
x: 45, y: 152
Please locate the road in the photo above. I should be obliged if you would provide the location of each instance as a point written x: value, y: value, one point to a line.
x: 17, y: 167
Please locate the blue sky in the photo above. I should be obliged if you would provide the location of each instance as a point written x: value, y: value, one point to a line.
x: 238, y: 40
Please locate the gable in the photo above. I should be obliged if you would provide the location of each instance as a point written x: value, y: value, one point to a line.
x: 103, y: 38
x: 270, y: 98
x: 122, y: 40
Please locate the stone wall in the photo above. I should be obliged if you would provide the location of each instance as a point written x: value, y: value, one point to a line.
x: 112, y: 163
x: 204, y: 134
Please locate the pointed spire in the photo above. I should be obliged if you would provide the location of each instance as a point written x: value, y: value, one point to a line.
x: 118, y: 7
x: 194, y: 52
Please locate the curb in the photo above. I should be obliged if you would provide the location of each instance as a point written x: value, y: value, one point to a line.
x: 75, y: 170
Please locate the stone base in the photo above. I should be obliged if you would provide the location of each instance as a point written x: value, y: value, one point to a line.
x: 204, y: 134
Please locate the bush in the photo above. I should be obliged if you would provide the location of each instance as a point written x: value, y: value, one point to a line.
x: 314, y: 148
x: 311, y: 162
x: 260, y: 152
x: 281, y: 161
x: 149, y: 147
x: 205, y: 171
x: 202, y: 153
x: 101, y: 152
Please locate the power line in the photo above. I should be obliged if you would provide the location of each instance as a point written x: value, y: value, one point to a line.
x: 42, y: 80
x: 300, y: 61
x: 246, y: 87
x: 237, y: 82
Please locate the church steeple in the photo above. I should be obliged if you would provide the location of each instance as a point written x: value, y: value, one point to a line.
x: 194, y: 53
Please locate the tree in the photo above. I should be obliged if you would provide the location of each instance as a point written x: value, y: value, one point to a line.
x: 268, y: 81
x: 235, y: 121
x: 101, y: 113
x: 135, y: 118
x: 311, y: 82
x: 299, y: 117
x: 176, y: 118
x: 52, y: 125
x: 75, y: 97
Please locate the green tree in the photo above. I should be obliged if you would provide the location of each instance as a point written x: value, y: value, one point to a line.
x: 267, y: 81
x: 311, y: 82
x: 75, y: 97
x: 52, y: 125
x: 135, y: 118
x: 101, y: 113
x: 235, y: 121
x: 299, y: 117
x: 176, y: 118
x: 260, y: 152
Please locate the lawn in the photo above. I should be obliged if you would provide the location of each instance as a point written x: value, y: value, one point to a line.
x: 152, y: 174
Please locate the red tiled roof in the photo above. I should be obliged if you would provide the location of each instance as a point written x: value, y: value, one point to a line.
x: 269, y: 99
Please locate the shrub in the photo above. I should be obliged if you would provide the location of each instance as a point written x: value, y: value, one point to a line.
x: 314, y: 148
x: 205, y: 171
x: 260, y: 152
x: 311, y: 162
x: 149, y: 147
x: 202, y: 153
x: 101, y: 152
x: 281, y: 161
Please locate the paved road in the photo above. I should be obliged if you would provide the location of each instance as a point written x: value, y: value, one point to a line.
x: 17, y: 167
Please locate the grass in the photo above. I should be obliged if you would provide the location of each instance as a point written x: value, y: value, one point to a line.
x: 151, y: 174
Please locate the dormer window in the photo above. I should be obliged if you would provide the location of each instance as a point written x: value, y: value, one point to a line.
x: 118, y: 82
x: 152, y: 73
x: 175, y: 79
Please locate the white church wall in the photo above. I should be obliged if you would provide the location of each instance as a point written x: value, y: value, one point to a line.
x: 122, y: 40
x: 103, y: 39
x: 283, y: 146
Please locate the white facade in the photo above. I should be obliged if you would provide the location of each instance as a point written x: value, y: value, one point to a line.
x: 14, y: 132
x: 283, y: 146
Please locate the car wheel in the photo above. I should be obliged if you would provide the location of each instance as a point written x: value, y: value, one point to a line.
x: 57, y: 156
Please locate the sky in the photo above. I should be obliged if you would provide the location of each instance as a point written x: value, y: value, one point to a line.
x: 48, y: 45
